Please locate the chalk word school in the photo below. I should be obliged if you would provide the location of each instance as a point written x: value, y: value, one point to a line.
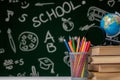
x: 59, y: 11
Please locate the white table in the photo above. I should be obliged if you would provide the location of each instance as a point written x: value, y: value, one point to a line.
x: 35, y: 78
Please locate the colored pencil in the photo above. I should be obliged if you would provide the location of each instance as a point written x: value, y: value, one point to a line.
x: 67, y: 45
x: 71, y: 48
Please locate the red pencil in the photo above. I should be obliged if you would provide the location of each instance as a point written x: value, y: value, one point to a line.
x: 87, y: 46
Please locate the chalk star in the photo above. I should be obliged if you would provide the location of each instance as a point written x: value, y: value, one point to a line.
x: 61, y: 39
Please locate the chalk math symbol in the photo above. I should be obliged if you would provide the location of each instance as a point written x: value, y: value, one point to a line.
x: 43, y: 4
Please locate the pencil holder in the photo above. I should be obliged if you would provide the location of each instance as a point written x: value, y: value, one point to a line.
x: 78, y: 65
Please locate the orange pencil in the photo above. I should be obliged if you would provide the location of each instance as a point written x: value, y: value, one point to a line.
x: 82, y: 43
x: 70, y: 45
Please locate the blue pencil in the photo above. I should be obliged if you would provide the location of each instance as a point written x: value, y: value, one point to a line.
x: 67, y: 45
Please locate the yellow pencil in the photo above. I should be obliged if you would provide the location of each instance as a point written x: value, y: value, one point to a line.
x: 83, y: 45
x: 83, y: 71
x: 78, y: 44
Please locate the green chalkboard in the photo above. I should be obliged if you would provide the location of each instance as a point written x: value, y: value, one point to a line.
x: 32, y: 33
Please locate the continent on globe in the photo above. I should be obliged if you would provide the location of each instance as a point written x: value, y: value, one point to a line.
x: 111, y: 24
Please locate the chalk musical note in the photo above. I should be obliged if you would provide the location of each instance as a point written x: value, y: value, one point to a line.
x: 11, y: 41
x: 9, y: 13
x: 43, y: 4
x: 34, y: 72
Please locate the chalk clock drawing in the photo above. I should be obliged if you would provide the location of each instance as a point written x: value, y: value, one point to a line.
x: 67, y: 24
x: 28, y: 41
x: 46, y: 63
x: 95, y: 13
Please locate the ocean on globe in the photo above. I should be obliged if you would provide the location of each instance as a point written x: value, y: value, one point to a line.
x: 111, y: 24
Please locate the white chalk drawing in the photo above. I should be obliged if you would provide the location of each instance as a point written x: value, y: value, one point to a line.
x: 61, y: 39
x: 112, y: 40
x: 19, y: 62
x: 2, y: 50
x: 11, y: 41
x: 28, y: 41
x: 46, y: 64
x: 49, y: 37
x: 66, y: 59
x: 57, y: 75
x: 25, y: 4
x: 34, y: 72
x: 118, y: 0
x: 67, y: 24
x: 50, y: 46
x: 0, y: 31
x: 23, y: 18
x: 43, y: 4
x: 8, y: 64
x: 111, y: 3
x: 83, y: 2
x: 9, y: 14
x: 21, y: 74
x: 13, y: 1
x: 54, y: 13
x: 86, y: 27
x: 104, y: 43
x: 100, y: 0
x: 1, y: 0
x: 95, y: 13
x: 18, y: 75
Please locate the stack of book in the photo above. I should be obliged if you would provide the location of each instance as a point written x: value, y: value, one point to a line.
x: 104, y: 63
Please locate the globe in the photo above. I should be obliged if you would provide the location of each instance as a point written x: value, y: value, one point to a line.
x: 111, y: 24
